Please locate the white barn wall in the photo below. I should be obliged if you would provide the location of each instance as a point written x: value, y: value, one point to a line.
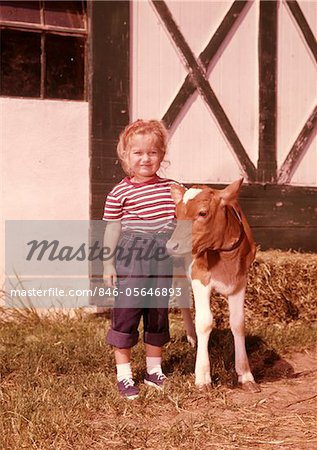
x: 198, y: 152
x: 44, y: 162
x: 297, y: 90
x: 156, y: 70
x: 235, y: 82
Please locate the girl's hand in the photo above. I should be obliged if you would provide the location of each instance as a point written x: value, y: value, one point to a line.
x: 110, y: 276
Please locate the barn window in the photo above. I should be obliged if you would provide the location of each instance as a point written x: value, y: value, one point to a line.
x: 43, y: 49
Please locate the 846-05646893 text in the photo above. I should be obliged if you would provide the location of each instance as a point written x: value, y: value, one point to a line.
x: 139, y: 292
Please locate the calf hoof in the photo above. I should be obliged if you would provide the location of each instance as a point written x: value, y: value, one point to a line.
x: 250, y: 386
x: 204, y: 387
x: 192, y: 340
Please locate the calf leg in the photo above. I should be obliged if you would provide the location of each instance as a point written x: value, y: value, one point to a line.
x: 181, y: 285
x: 203, y: 323
x: 189, y: 326
x: 236, y: 308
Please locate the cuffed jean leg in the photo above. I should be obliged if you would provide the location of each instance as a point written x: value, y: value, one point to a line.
x: 124, y: 327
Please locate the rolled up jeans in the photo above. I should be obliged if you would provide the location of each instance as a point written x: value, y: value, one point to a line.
x: 144, y: 274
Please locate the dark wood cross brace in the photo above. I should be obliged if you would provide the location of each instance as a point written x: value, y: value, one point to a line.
x: 197, y: 78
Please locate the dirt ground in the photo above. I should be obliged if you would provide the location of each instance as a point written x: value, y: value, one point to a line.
x: 292, y: 401
x: 282, y: 416
x: 297, y: 393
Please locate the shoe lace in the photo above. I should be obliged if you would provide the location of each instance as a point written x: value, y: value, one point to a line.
x: 128, y: 382
x: 161, y: 376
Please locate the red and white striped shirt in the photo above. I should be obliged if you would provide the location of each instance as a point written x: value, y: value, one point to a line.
x: 142, y: 207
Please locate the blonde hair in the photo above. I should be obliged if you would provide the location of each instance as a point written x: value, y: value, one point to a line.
x: 154, y: 128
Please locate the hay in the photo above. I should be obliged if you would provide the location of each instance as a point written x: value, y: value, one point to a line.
x: 282, y: 287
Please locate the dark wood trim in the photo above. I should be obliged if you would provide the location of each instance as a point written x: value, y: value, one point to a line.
x: 267, y: 162
x: 198, y: 78
x: 281, y: 217
x: 206, y: 57
x: 303, y: 25
x: 47, y: 28
x: 298, y: 149
x: 109, y: 82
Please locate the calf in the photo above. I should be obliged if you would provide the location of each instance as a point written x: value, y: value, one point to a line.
x: 222, y: 247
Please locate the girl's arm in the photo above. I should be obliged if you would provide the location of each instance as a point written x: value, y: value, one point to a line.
x: 111, y: 238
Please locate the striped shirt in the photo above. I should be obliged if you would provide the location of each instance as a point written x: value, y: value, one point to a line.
x: 142, y: 207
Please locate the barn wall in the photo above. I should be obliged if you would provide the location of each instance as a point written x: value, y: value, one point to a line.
x: 297, y: 90
x: 281, y: 217
x: 158, y: 72
x: 137, y: 73
x: 44, y: 162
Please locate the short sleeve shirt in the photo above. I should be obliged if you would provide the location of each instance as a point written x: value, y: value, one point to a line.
x: 143, y: 207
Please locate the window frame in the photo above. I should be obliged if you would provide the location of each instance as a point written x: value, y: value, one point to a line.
x: 44, y: 30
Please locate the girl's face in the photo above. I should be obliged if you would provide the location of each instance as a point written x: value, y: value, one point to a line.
x: 144, y: 158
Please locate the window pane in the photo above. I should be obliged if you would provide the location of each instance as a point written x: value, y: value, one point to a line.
x: 65, y: 67
x: 20, y: 63
x: 20, y: 11
x: 64, y: 14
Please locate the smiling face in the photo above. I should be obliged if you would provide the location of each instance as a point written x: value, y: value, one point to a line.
x: 144, y: 157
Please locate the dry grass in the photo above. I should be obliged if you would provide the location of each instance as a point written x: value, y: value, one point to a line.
x: 58, y: 388
x: 58, y: 391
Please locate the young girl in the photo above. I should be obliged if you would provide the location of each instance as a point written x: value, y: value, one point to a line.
x: 140, y: 214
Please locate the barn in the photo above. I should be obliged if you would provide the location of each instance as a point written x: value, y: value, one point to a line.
x: 234, y: 82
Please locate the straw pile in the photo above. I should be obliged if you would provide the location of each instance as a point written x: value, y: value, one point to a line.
x: 282, y: 287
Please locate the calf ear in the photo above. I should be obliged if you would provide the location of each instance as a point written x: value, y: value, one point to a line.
x: 177, y: 193
x: 231, y: 191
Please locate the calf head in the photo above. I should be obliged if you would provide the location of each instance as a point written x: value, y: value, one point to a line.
x: 206, y: 219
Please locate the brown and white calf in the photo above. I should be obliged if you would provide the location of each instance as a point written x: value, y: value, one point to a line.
x: 220, y: 241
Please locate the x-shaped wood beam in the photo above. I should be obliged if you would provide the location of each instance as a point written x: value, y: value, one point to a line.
x: 197, y: 79
x: 206, y: 57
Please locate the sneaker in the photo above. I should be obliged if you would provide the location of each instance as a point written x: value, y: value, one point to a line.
x: 127, y: 389
x: 155, y: 380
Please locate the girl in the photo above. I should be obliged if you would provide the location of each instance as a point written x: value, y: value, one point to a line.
x: 140, y: 214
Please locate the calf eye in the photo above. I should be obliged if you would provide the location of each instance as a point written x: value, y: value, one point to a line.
x: 202, y: 213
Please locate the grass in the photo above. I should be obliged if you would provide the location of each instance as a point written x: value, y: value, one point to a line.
x: 58, y: 389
